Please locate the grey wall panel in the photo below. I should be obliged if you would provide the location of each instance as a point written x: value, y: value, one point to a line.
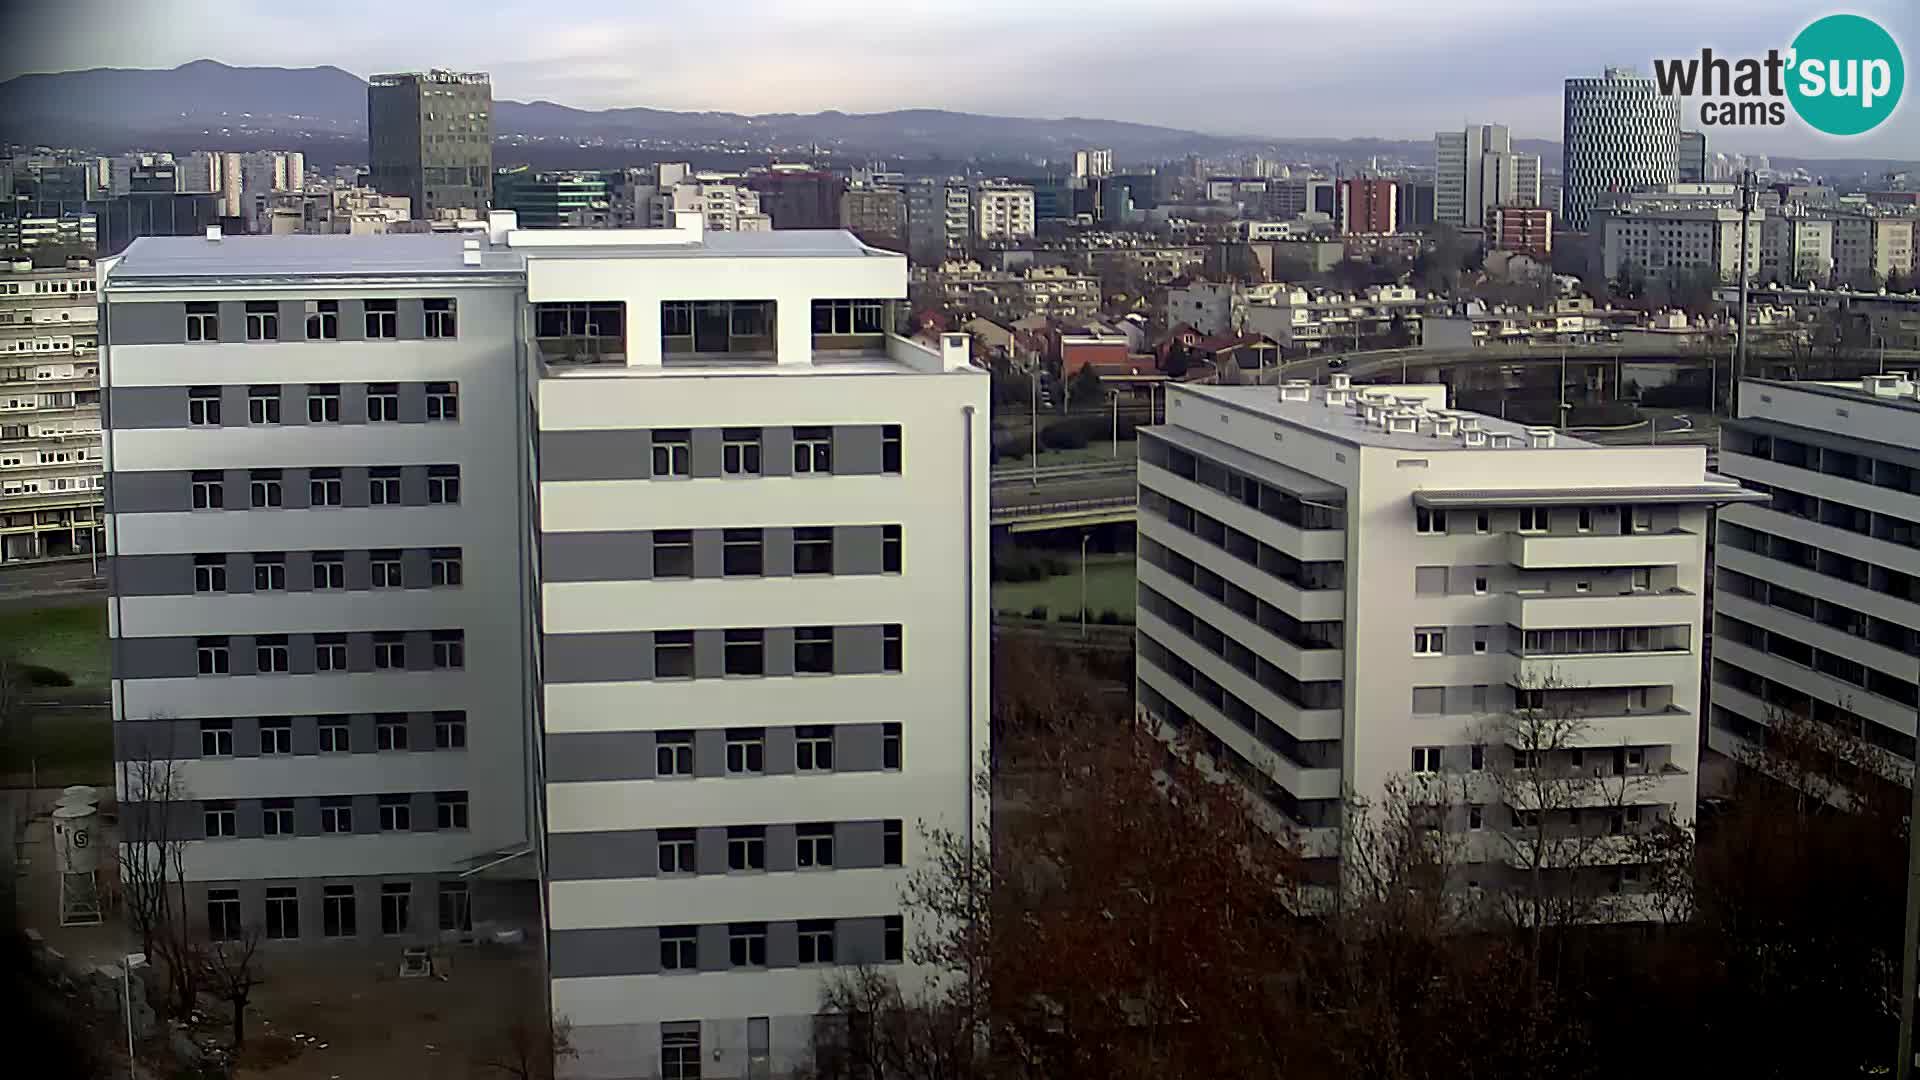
x: 858, y: 845
x: 781, y: 847
x: 178, y: 820
x: 156, y: 492
x: 361, y: 733
x: 710, y: 753
x: 779, y: 650
x: 246, y: 736
x: 306, y: 729
x: 714, y: 955
x: 246, y: 818
x: 238, y: 495
x: 783, y: 944
x: 858, y: 650
x: 599, y: 755
x: 419, y: 650
x: 425, y: 816
x: 160, y: 739
x: 155, y: 658
x: 856, y: 549
x: 779, y: 751
x: 580, y: 954
x: 705, y: 452
x: 416, y: 568
x: 242, y: 654
x: 300, y: 654
x: 366, y: 816
x: 709, y: 654
x: 413, y: 403
x: 859, y: 941
x: 357, y: 572
x: 856, y: 450
x: 151, y: 575
x: 710, y: 850
x: 233, y: 321
x: 776, y: 451
x: 148, y: 406
x: 353, y: 401
x: 233, y: 402
x: 856, y: 747
x: 601, y: 855
x: 420, y: 730
x: 354, y: 486
x: 147, y: 324
x: 413, y: 485
x: 240, y: 572
x: 306, y: 815
x: 598, y: 556
x: 293, y: 321
x: 596, y: 455
x: 709, y: 554
x: 412, y: 321
x: 777, y: 552
x: 584, y: 658
x: 359, y: 652
x: 353, y: 321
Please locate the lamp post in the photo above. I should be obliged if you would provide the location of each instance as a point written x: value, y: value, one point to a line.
x: 1116, y: 422
x: 127, y: 964
x: 1084, y: 537
x: 1033, y: 431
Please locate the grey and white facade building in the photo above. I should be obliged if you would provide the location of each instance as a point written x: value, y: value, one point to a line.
x: 628, y: 587
x: 50, y: 471
x: 1817, y: 592
x: 1620, y: 134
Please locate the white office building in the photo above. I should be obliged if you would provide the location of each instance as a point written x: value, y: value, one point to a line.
x: 1655, y: 239
x: 1620, y: 134
x: 1477, y: 170
x: 50, y: 468
x: 1340, y: 586
x: 1817, y: 592
x: 628, y: 586
x: 1002, y: 212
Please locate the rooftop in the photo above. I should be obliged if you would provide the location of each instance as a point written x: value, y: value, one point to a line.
x: 383, y: 255
x: 1895, y: 389
x: 1322, y: 410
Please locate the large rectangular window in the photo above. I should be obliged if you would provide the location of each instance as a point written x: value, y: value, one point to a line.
x: 841, y: 318
x: 717, y: 327
x: 580, y: 333
x: 672, y: 553
x: 383, y: 319
x: 223, y: 914
x: 338, y: 911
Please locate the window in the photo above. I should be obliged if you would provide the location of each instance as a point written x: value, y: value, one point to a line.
x: 389, y: 651
x: 335, y: 736
x: 892, y: 647
x: 673, y: 654
x: 746, y: 751
x: 323, y: 487
x: 815, y: 846
x: 1642, y: 580
x: 263, y: 405
x: 1482, y: 522
x: 746, y: 652
x: 1480, y: 586
x: 813, y: 748
x: 336, y: 815
x: 742, y: 552
x: 209, y: 573
x: 216, y: 738
x: 673, y: 754
x: 676, y: 851
x: 223, y: 914
x: 209, y: 491
x: 276, y: 735
x: 396, y: 813
x: 1583, y: 586
x: 890, y: 448
x: 813, y: 650
x: 383, y: 486
x: 813, y: 550
x: 323, y: 403
x: 892, y: 842
x: 383, y: 319
x: 450, y: 810
x: 211, y: 652
x: 812, y: 450
x: 740, y: 451
x: 747, y: 944
x: 1636, y: 757
x: 283, y: 913
x: 890, y: 746
x: 673, y: 553
x: 1429, y: 522
x: 337, y: 911
x: 445, y: 569
x: 449, y: 731
x: 443, y: 401
x: 746, y: 848
x: 269, y: 571
x: 390, y: 731
x: 1479, y: 642
x: 890, y: 549
x: 440, y: 318
x: 894, y: 939
x: 329, y: 570
x: 323, y: 320
x: 1534, y: 519
x: 203, y: 406
x: 1429, y: 642
x: 396, y: 907
x: 1476, y: 818
x: 263, y: 321
x: 383, y: 403
x: 680, y: 1051
x: 456, y: 907
x: 816, y: 941
x: 263, y: 489
x: 679, y: 948
x: 220, y: 820
x: 1585, y: 523
x: 276, y: 817
x: 843, y: 317
x: 672, y: 452
x: 203, y: 322
x: 443, y: 484
x: 449, y: 649
x: 1426, y: 760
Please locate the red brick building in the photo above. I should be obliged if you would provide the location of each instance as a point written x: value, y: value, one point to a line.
x: 1369, y: 205
x: 1526, y: 229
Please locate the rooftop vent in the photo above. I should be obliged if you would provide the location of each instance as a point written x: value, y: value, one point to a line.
x: 470, y: 257
x: 1444, y: 427
x: 1337, y: 397
x: 1881, y: 385
x: 1473, y: 437
x: 1340, y: 380
x: 1404, y: 422
x: 213, y: 233
x: 1540, y: 438
x: 1501, y: 440
x: 1296, y: 390
x: 1469, y: 423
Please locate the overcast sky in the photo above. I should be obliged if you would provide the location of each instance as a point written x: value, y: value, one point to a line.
x: 1390, y: 68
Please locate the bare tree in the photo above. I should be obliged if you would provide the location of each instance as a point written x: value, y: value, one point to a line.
x: 230, y: 969
x: 151, y: 860
x: 530, y: 1045
x: 869, y: 1030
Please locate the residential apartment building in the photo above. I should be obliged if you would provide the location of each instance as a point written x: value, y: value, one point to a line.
x: 1652, y: 239
x: 1477, y: 170
x: 875, y: 214
x: 1311, y: 320
x: 1343, y: 586
x: 1369, y: 206
x: 1796, y: 248
x: 50, y: 468
x: 939, y: 219
x: 454, y: 570
x: 722, y: 199
x: 1868, y: 249
x: 1093, y: 162
x: 430, y: 138
x: 1620, y: 133
x: 1003, y: 212
x: 1817, y: 592
x: 1526, y: 229
x: 1008, y: 295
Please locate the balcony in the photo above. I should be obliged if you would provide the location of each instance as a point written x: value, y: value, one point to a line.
x: 1538, y: 611
x: 1539, y: 551
x: 1598, y: 731
x: 1667, y: 667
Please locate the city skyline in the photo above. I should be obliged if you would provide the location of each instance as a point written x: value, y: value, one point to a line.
x: 1426, y: 72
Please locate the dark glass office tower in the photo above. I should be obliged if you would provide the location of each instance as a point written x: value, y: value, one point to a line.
x: 430, y: 138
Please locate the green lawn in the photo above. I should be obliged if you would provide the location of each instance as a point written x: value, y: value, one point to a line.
x: 70, y: 638
x: 56, y: 747
x: 1109, y: 587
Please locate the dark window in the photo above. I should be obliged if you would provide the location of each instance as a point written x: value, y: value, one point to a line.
x: 323, y: 403
x: 203, y: 406
x: 890, y: 448
x: 449, y: 649
x: 324, y: 488
x: 892, y: 647
x: 329, y: 570
x: 680, y: 1051
x: 746, y: 652
x: 337, y: 910
x: 443, y: 401
x: 672, y: 452
x: 813, y: 550
x: 389, y: 651
x: 219, y: 819
x: 440, y: 318
x: 383, y: 319
x: 894, y: 939
x: 747, y: 944
x: 813, y: 650
x: 746, y: 847
x: 396, y: 813
x: 746, y: 751
x: 263, y: 489
x: 816, y: 941
x: 676, y: 851
x: 383, y: 486
x: 673, y: 654
x: 450, y: 810
x: 223, y: 914
x: 892, y: 842
x: 813, y: 748
x: 216, y: 738
x: 740, y: 451
x: 812, y: 450
x: 203, y: 322
x: 815, y: 847
x: 890, y: 544
x: 212, y: 655
x: 449, y: 731
x: 890, y: 746
x: 443, y: 484
x: 336, y: 815
x: 276, y: 817
x: 396, y: 907
x: 283, y: 913
x: 456, y: 907
x: 269, y: 571
x: 323, y: 320
x: 673, y: 754
x: 383, y: 403
x: 209, y: 573
x: 743, y: 553
x: 276, y: 735
x: 335, y: 736
x: 384, y: 568
x: 209, y: 491
x: 263, y: 405
x: 445, y: 568
x: 330, y: 652
x: 672, y: 553
x: 263, y: 321
x: 679, y: 948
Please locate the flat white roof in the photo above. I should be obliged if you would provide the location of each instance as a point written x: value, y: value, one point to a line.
x: 1341, y: 422
x: 300, y: 255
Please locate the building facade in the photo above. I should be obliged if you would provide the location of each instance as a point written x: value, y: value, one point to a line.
x: 1817, y: 591
x: 1692, y: 167
x: 1369, y: 206
x: 430, y: 138
x: 1526, y: 229
x: 1476, y: 170
x: 877, y: 215
x: 454, y: 570
x: 50, y: 464
x: 1653, y: 239
x: 939, y: 219
x: 1620, y: 133
x: 1002, y: 212
x: 1342, y: 589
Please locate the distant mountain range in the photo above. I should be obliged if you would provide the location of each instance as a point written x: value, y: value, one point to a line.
x: 210, y: 105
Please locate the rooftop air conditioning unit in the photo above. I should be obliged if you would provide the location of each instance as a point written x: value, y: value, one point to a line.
x: 1296, y: 390
x: 1444, y: 427
x: 1340, y: 380
x: 1404, y: 422
x: 1540, y: 438
x: 1473, y: 437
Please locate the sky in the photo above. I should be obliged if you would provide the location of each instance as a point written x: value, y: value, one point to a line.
x: 1286, y: 68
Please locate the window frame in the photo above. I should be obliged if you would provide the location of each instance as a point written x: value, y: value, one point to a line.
x: 1426, y: 761
x: 1430, y: 641
x: 746, y: 849
x: 323, y: 320
x: 450, y: 730
x: 382, y: 319
x: 442, y: 317
x: 203, y: 406
x: 335, y: 734
x: 813, y: 846
x: 449, y: 650
x: 276, y: 736
x: 443, y: 402
x: 323, y: 403
x: 263, y: 320
x: 747, y: 747
x: 395, y: 813
x: 216, y: 738
x: 809, y: 740
x: 815, y: 942
x: 443, y: 485
x: 744, y: 653
x: 263, y: 406
x: 673, y: 755
x: 451, y: 811
x: 209, y: 574
x: 742, y: 451
x: 670, y: 453
x: 390, y: 733
x: 226, y: 926
x: 813, y: 450
x: 812, y: 546
x: 679, y: 948
x: 679, y: 843
x: 676, y: 647
x: 677, y: 545
x: 383, y: 403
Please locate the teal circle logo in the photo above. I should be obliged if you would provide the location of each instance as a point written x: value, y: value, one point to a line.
x: 1846, y: 75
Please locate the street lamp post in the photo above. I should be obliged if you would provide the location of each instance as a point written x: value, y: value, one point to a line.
x: 1033, y: 431
x: 1084, y: 538
x: 1116, y: 423
x: 127, y: 964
